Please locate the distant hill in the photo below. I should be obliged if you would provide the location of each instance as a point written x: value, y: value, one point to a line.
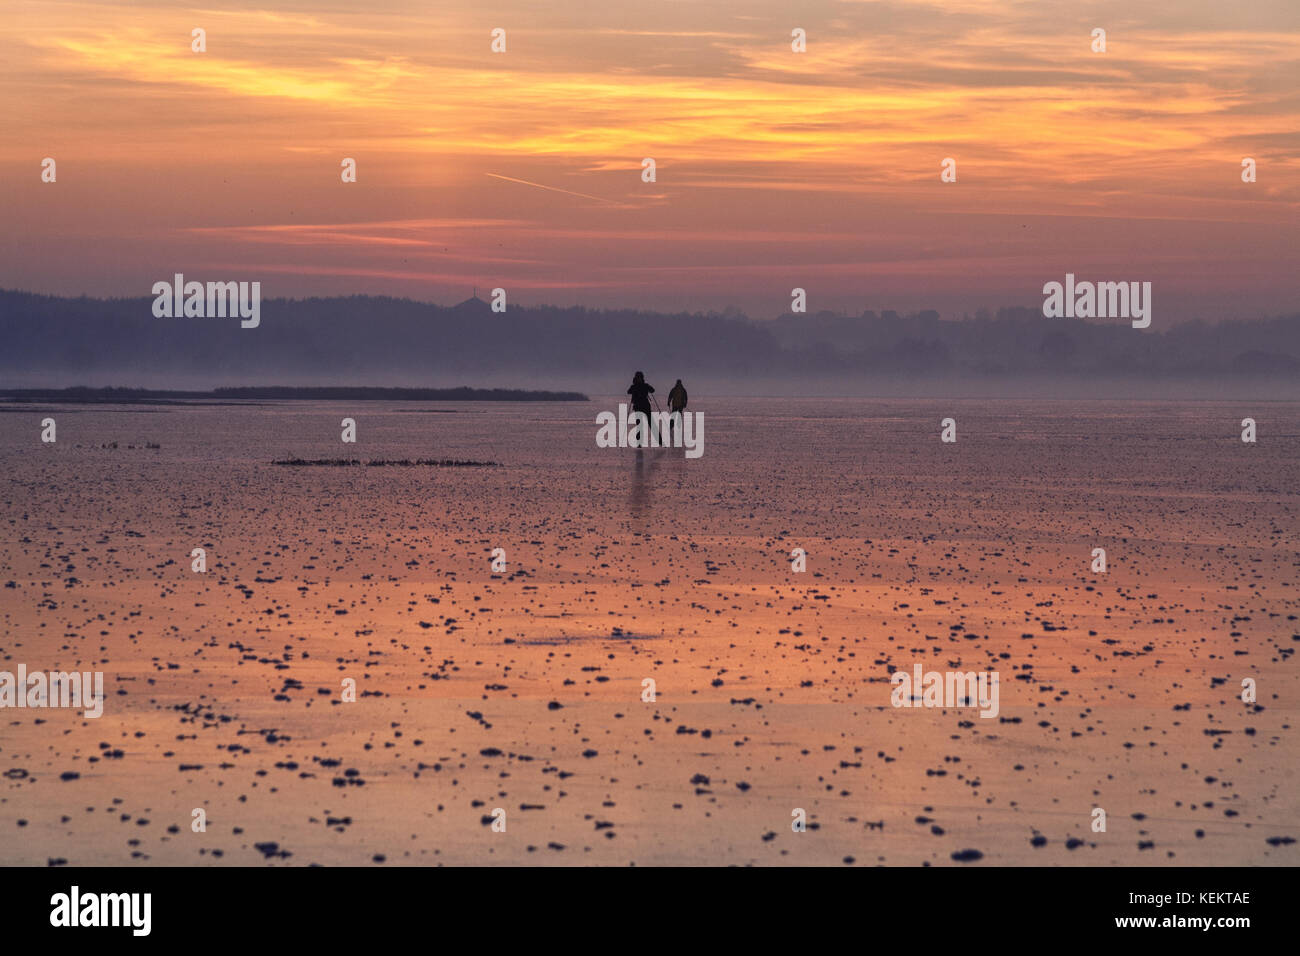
x: 362, y: 340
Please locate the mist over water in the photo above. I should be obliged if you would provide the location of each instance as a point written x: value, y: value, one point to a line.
x: 372, y: 341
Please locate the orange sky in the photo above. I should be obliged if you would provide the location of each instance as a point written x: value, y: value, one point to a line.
x: 775, y: 169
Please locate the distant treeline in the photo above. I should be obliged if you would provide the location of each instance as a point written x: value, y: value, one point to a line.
x: 118, y: 396
x: 355, y: 338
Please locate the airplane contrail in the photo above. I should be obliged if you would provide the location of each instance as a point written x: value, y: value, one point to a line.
x: 554, y: 189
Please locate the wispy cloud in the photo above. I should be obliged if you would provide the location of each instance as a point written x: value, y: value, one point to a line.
x: 478, y: 157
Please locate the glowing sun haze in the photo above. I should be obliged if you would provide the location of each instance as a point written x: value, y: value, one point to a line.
x: 775, y: 169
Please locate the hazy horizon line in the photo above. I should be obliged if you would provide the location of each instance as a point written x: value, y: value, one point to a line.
x: 972, y: 315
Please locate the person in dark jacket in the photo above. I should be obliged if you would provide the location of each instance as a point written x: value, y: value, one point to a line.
x: 676, y: 405
x: 641, y: 391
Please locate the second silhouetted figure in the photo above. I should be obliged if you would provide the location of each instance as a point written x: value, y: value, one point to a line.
x: 676, y: 405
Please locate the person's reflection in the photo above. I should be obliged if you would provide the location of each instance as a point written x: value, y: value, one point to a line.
x: 642, y: 479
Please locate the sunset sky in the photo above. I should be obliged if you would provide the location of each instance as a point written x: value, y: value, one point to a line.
x: 775, y: 169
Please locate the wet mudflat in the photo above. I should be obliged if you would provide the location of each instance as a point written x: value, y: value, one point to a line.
x: 525, y: 689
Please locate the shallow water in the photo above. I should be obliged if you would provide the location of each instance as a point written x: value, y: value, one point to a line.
x: 625, y: 566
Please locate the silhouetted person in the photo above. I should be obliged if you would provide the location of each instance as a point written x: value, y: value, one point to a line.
x: 676, y: 405
x: 641, y: 391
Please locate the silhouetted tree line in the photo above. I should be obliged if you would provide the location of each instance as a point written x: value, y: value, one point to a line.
x: 353, y: 338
